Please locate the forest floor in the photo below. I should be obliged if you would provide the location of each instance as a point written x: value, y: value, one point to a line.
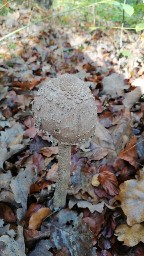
x: 104, y: 213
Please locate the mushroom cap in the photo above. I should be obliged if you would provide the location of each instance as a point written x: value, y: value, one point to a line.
x: 65, y: 108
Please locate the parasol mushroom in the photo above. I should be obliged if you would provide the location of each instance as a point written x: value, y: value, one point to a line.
x: 65, y: 108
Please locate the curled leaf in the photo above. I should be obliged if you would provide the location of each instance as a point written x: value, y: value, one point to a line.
x: 37, y: 218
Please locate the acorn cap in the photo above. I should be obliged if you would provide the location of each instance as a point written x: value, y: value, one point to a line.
x: 65, y: 107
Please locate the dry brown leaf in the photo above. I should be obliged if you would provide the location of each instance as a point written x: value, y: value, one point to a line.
x: 7, y: 213
x: 49, y: 151
x: 52, y: 173
x: 132, y: 97
x: 34, y: 188
x: 30, y: 132
x: 130, y: 235
x: 131, y: 197
x: 37, y: 218
x: 130, y: 152
x: 27, y: 85
x: 32, y: 209
x: 108, y: 180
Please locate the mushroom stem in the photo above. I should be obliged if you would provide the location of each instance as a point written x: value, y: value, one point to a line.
x: 61, y: 188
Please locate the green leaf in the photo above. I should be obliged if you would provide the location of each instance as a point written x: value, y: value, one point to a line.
x: 128, y: 9
x: 139, y: 27
x: 126, y: 53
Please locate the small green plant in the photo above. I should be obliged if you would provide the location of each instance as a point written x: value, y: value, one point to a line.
x: 130, y: 13
x: 12, y: 46
x: 4, y: 11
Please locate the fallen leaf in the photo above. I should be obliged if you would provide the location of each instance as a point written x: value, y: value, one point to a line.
x: 38, y: 161
x: 29, y: 122
x: 108, y: 180
x: 11, y: 246
x: 121, y: 132
x: 5, y: 229
x: 104, y: 140
x: 31, y: 235
x: 124, y: 171
x: 34, y: 188
x: 114, y: 85
x: 130, y: 152
x: 131, y: 236
x: 88, y: 67
x: 7, y: 196
x: 106, y: 119
x: 101, y: 193
x: 30, y: 132
x: 38, y: 143
x: 20, y: 186
x: 49, y: 151
x: 131, y: 197
x: 6, y: 154
x: 7, y: 213
x: 84, y: 204
x: 42, y: 248
x: 37, y: 218
x: 52, y: 173
x: 97, y: 152
x: 34, y: 207
x: 132, y: 97
x: 95, y: 222
x: 26, y: 85
x: 10, y: 138
x: 78, y: 242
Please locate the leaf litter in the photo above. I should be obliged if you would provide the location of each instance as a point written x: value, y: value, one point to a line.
x: 105, y: 182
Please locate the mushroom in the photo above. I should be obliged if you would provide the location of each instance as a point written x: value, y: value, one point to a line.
x: 65, y: 108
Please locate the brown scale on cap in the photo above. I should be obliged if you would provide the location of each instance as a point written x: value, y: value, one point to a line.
x: 65, y: 108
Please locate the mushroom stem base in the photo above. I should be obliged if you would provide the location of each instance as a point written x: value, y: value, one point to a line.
x: 63, y: 176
